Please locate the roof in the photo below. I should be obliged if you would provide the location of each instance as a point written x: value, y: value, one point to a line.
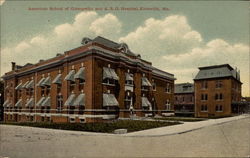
x: 184, y: 88
x: 217, y: 71
x: 111, y: 44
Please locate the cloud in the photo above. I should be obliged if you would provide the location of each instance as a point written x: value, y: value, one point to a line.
x: 22, y: 46
x: 216, y: 51
x: 172, y: 45
x: 99, y: 26
x: 38, y: 40
x: 2, y: 2
x: 171, y: 35
x: 61, y: 38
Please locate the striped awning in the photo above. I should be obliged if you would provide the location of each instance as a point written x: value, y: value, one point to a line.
x: 19, y: 86
x: 6, y: 103
x: 70, y: 76
x: 39, y: 103
x: 19, y: 103
x: 46, y: 102
x: 145, y: 82
x: 109, y: 73
x: 80, y: 74
x: 30, y: 102
x: 145, y: 102
x: 25, y: 84
x: 58, y: 79
x: 39, y: 84
x: 47, y: 81
x: 70, y: 100
x: 109, y: 100
x: 129, y: 77
x: 30, y: 84
x: 80, y: 100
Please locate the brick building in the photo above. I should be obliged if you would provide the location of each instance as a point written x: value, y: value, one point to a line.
x: 184, y: 99
x: 97, y: 81
x: 216, y: 88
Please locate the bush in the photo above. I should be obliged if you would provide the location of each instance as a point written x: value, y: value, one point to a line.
x: 130, y: 125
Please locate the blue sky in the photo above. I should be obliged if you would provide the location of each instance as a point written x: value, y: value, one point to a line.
x: 188, y: 35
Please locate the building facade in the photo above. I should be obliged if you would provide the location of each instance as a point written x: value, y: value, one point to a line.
x: 216, y: 88
x: 184, y: 99
x: 98, y: 81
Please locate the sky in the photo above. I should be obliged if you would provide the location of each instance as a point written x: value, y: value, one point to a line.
x: 177, y: 37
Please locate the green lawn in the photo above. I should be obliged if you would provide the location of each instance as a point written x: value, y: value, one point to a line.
x: 130, y: 125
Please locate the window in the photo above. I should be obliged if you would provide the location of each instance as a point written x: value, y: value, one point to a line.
x: 221, y: 96
x: 129, y: 79
x: 109, y: 81
x: 48, y: 90
x: 204, y: 97
x: 59, y: 88
x: 218, y: 96
x: 31, y: 92
x: 168, y: 105
x: 72, y: 120
x: 204, y: 108
x: 59, y: 102
x: 128, y: 101
x: 144, y: 88
x: 154, y: 86
x: 218, y: 84
x: 218, y: 108
x: 183, y: 99
x: 43, y: 91
x: 42, y: 118
x: 204, y: 85
x: 191, y: 99
x: 168, y: 88
x: 82, y: 121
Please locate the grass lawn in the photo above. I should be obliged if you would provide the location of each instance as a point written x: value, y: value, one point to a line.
x: 130, y: 125
x: 184, y: 119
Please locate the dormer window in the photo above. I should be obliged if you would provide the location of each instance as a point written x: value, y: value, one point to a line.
x: 123, y: 48
x: 85, y: 41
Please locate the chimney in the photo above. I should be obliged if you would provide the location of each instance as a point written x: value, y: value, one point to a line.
x: 13, y: 65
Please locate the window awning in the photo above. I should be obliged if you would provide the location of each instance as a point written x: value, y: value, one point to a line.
x: 19, y: 86
x: 70, y: 100
x: 145, y: 102
x: 6, y: 103
x: 109, y: 73
x: 47, y: 81
x: 25, y: 84
x: 129, y: 77
x: 9, y: 104
x: 40, y: 82
x: 7, y: 87
x: 30, y: 102
x: 145, y: 82
x: 80, y: 74
x: 19, y: 103
x: 109, y: 100
x: 58, y: 79
x: 80, y: 100
x: 46, y: 102
x: 30, y: 84
x: 40, y: 101
x: 70, y: 76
